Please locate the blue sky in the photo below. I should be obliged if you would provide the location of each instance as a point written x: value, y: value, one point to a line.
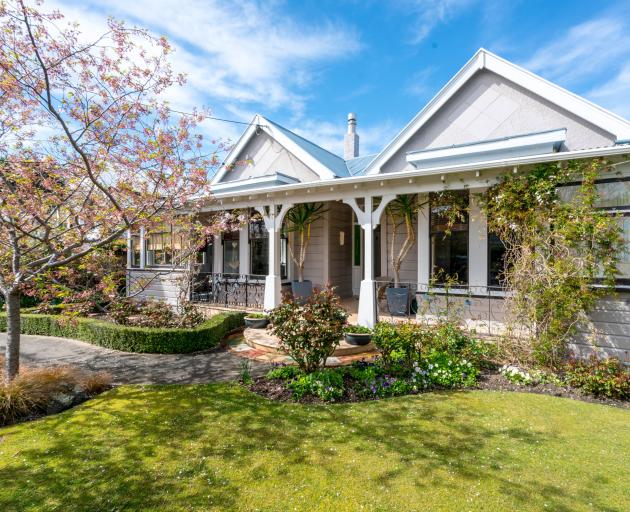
x: 306, y: 64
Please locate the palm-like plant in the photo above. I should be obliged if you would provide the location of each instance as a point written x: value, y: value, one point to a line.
x: 401, y: 211
x: 299, y: 220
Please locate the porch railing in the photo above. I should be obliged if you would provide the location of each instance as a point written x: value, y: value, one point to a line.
x: 479, y: 307
x: 229, y: 290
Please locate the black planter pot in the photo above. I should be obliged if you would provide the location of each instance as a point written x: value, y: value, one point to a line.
x: 357, y: 338
x: 398, y: 301
x: 302, y: 290
x: 256, y: 323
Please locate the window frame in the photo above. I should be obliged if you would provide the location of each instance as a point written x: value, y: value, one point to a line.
x: 237, y: 236
x: 460, y: 284
x: 150, y: 253
x: 622, y: 283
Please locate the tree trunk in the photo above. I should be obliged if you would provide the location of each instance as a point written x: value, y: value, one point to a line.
x: 12, y: 353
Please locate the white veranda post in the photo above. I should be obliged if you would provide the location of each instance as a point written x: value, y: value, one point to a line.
x: 273, y: 215
x: 369, y: 219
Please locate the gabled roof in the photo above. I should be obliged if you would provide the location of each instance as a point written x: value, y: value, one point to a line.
x: 333, y: 162
x: 483, y: 59
x: 325, y: 164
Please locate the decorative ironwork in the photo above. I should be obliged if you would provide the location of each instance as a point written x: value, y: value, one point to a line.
x: 480, y: 307
x: 229, y: 290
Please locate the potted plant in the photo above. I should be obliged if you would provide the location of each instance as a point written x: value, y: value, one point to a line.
x: 401, y: 212
x: 256, y: 320
x: 357, y: 334
x: 299, y: 220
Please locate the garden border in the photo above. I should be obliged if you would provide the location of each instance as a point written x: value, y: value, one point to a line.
x: 129, y: 338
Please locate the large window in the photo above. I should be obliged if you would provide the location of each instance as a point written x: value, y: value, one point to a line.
x: 258, y: 247
x: 231, y: 252
x: 163, y: 248
x: 449, y: 247
x: 614, y: 196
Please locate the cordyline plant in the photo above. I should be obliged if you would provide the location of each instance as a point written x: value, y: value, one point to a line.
x: 557, y: 248
x: 299, y: 220
x: 88, y: 147
x: 309, y: 332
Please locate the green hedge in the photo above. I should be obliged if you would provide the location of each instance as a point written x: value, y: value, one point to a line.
x: 131, y: 339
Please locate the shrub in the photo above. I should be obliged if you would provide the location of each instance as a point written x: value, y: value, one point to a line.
x: 131, y: 338
x: 399, y: 343
x: 448, y: 371
x: 516, y: 375
x: 600, y: 377
x: 283, y: 372
x: 326, y: 384
x: 34, y: 389
x: 451, y: 338
x: 309, y: 332
x: 154, y: 313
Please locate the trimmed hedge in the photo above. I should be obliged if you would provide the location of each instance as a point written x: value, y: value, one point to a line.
x: 131, y: 339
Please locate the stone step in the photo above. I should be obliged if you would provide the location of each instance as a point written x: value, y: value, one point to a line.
x: 263, y: 340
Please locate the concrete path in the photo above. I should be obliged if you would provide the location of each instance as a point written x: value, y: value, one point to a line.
x: 128, y: 368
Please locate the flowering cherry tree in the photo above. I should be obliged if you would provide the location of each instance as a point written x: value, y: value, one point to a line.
x: 88, y: 146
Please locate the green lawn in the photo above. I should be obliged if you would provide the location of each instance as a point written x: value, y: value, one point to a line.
x: 220, y: 447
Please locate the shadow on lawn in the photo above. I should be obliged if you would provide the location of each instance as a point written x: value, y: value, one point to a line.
x: 160, y: 442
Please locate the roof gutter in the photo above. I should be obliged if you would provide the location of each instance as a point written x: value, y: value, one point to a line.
x: 474, y: 166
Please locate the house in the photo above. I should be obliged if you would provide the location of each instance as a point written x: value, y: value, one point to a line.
x: 491, y: 117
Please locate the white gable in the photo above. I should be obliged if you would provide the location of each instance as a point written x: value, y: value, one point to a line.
x: 491, y: 98
x: 263, y: 156
x: 490, y: 107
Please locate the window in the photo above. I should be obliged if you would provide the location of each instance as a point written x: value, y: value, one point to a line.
x: 163, y: 248
x: 614, y: 196
x: 204, y: 257
x: 231, y: 252
x: 134, y: 251
x: 449, y: 251
x: 496, y: 260
x: 258, y: 247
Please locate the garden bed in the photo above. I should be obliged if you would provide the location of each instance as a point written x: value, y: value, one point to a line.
x: 278, y: 390
x: 131, y: 338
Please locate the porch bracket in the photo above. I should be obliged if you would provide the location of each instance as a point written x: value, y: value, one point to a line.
x: 372, y: 218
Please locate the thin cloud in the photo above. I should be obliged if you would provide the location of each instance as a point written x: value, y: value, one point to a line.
x: 237, y: 52
x: 583, y: 51
x: 614, y: 94
x: 429, y: 14
x: 330, y: 136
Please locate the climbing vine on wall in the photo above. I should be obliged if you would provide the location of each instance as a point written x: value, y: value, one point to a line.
x: 558, y: 246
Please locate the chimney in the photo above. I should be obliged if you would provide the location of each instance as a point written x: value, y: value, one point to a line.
x: 351, y: 140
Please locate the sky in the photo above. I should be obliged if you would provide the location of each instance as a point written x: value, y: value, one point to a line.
x: 306, y: 64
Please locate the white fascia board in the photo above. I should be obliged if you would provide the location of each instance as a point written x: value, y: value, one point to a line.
x: 306, y: 158
x: 255, y: 182
x: 472, y: 166
x: 520, y: 145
